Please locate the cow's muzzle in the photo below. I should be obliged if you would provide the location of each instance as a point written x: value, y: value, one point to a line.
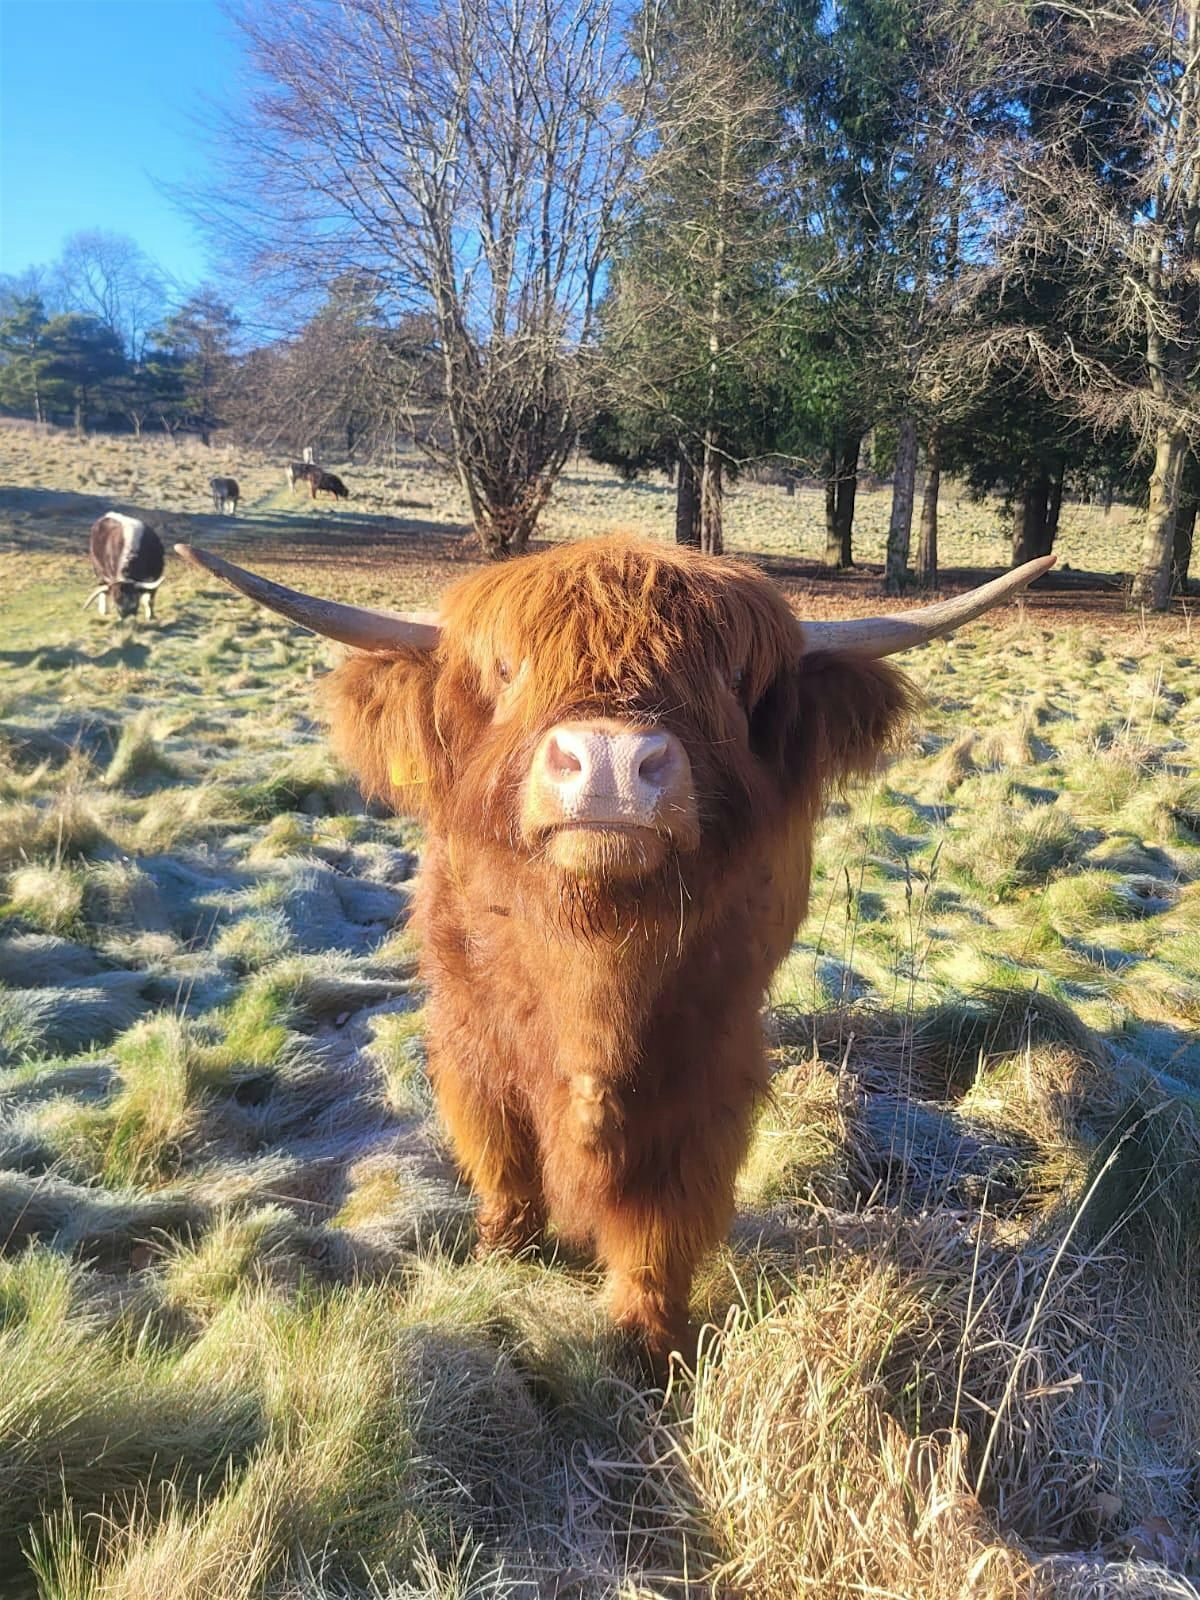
x: 607, y: 800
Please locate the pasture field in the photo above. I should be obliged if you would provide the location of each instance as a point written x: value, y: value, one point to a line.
x: 953, y: 1343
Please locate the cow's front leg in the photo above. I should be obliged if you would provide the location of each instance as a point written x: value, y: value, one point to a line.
x: 651, y: 1258
x: 148, y: 602
x: 102, y: 605
x: 497, y: 1152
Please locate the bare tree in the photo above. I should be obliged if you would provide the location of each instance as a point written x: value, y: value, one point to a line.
x: 109, y: 276
x: 470, y: 158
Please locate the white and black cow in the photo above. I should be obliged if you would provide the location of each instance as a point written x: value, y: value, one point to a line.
x: 127, y: 557
x: 299, y: 472
x: 225, y: 491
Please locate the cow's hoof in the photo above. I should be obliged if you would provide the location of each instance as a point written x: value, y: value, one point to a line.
x: 508, y: 1232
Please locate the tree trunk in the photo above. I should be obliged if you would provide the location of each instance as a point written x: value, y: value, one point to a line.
x: 927, y: 552
x: 900, y: 526
x: 1029, y: 538
x: 1152, y: 583
x: 841, y: 485
x: 687, y: 505
x: 833, y: 543
x: 506, y: 530
x: 1181, y: 558
x: 712, y: 508
x: 1054, y: 506
x: 711, y: 514
x: 37, y: 403
x: 79, y: 406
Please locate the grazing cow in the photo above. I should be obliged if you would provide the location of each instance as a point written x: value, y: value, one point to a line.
x: 620, y: 750
x: 127, y: 557
x: 225, y: 491
x: 326, y: 483
x: 298, y: 472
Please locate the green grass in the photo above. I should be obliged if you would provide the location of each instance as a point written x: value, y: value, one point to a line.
x: 954, y: 1341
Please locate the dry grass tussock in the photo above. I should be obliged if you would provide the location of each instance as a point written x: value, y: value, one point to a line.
x: 952, y: 1346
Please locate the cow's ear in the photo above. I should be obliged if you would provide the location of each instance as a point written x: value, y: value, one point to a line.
x: 830, y: 717
x: 381, y: 713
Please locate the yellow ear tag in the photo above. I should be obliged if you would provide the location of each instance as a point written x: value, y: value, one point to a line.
x: 403, y: 777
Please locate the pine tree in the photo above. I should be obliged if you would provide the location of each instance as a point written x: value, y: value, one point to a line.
x: 24, y: 358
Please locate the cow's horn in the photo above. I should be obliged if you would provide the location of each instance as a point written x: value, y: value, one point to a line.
x: 886, y: 636
x: 153, y: 585
x: 353, y: 625
x: 94, y: 594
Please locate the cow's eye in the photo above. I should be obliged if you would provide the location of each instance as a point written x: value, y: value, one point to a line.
x: 504, y: 671
x: 736, y: 678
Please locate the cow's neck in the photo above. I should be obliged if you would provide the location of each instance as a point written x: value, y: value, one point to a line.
x: 604, y: 975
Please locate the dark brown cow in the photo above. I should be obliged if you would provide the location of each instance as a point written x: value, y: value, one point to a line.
x: 320, y: 482
x: 620, y: 749
x: 317, y: 479
x: 127, y: 557
x: 225, y: 491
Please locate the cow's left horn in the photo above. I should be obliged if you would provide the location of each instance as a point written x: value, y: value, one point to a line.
x: 358, y: 626
x: 887, y: 636
x: 94, y: 595
x: 153, y: 585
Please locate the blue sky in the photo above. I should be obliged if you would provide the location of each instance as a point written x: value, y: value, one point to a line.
x: 98, y: 100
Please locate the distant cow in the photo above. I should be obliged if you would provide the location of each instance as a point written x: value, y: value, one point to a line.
x: 127, y: 557
x: 326, y: 483
x: 225, y: 491
x: 299, y: 472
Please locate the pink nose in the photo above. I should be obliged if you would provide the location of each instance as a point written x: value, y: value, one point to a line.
x: 601, y: 776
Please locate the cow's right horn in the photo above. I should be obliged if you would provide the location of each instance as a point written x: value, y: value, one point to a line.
x: 94, y: 595
x: 358, y: 626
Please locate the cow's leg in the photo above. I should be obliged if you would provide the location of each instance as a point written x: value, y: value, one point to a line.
x: 497, y: 1152
x: 673, y: 1203
x: 148, y: 600
x: 650, y: 1254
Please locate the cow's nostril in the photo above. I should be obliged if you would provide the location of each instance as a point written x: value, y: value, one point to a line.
x: 560, y: 761
x: 653, y: 766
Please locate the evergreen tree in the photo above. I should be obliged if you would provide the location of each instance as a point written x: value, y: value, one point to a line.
x: 24, y: 358
x: 192, y: 362
x: 84, y: 359
x: 689, y: 354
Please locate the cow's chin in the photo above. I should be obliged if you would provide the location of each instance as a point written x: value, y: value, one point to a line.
x: 600, y: 853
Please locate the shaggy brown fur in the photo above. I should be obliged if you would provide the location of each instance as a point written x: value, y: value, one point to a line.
x: 595, y: 1046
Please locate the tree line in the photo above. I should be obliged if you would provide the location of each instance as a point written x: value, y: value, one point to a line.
x: 99, y: 339
x: 705, y: 235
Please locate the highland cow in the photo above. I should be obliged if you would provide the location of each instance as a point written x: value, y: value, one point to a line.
x: 620, y: 750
